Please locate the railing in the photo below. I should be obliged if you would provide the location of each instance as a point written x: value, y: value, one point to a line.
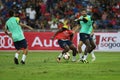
x: 54, y: 30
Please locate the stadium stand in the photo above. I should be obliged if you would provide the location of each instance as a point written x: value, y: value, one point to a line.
x: 41, y: 14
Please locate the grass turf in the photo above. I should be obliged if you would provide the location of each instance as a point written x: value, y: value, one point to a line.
x: 43, y: 66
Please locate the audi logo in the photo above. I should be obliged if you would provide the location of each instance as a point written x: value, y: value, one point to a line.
x: 6, y: 42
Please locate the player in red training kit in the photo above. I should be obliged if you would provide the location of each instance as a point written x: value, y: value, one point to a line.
x: 64, y: 37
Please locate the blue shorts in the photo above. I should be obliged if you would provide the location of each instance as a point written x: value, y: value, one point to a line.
x: 84, y: 37
x: 63, y: 43
x: 20, y: 44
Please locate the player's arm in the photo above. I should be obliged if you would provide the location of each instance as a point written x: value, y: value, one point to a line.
x: 5, y: 29
x: 24, y: 25
x: 85, y: 19
x: 94, y: 27
x: 76, y: 28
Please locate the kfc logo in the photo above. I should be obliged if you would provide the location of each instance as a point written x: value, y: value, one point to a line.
x: 109, y: 39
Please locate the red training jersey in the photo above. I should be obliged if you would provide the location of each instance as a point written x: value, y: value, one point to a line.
x: 64, y: 35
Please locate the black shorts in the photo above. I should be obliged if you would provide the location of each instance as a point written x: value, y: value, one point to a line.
x: 20, y: 44
x: 84, y: 37
x: 63, y: 43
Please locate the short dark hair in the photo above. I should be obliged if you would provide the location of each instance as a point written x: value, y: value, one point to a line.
x: 11, y: 13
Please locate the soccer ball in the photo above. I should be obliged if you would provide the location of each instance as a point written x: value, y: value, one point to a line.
x: 66, y: 56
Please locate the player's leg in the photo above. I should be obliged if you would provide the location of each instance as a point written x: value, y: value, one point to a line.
x: 80, y: 50
x: 25, y: 50
x: 93, y: 46
x: 87, y: 49
x: 16, y: 57
x: 16, y: 44
x: 74, y: 52
x: 65, y: 48
x: 93, y: 56
x: 85, y: 39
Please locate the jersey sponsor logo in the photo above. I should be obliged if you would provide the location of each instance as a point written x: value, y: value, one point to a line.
x: 6, y: 42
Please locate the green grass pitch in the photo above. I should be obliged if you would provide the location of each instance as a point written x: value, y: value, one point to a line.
x: 43, y: 66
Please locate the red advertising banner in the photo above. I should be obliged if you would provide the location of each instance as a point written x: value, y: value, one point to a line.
x: 42, y: 41
x: 36, y: 41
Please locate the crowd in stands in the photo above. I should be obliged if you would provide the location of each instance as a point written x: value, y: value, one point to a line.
x: 46, y: 14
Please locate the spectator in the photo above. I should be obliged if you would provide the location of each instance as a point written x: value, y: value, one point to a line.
x: 37, y: 9
x: 53, y: 25
x: 113, y: 22
x: 43, y: 10
x: 32, y: 14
